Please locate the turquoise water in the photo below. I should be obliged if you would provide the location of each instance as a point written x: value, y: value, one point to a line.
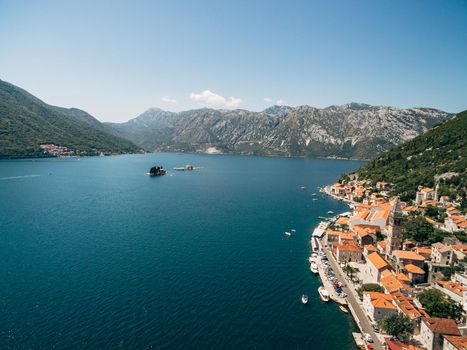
x: 96, y: 255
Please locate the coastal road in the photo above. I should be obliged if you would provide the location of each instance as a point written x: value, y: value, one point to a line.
x: 360, y: 313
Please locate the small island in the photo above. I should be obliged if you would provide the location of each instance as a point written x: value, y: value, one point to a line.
x: 157, y: 171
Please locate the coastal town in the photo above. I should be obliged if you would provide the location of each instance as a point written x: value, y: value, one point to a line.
x: 398, y: 266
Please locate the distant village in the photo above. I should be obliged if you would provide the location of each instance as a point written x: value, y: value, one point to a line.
x: 394, y: 274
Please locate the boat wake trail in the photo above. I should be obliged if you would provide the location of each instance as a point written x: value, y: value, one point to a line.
x: 18, y: 177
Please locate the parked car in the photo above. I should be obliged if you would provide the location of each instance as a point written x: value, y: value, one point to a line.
x: 367, y: 338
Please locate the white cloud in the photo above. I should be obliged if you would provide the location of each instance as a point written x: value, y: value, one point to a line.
x: 169, y: 100
x: 209, y: 98
x: 279, y: 102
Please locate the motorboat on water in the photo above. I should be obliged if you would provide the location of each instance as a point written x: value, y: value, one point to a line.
x: 287, y: 233
x: 330, y: 212
x: 187, y: 167
x: 304, y: 298
x: 313, y: 267
x: 323, y: 294
x: 343, y: 309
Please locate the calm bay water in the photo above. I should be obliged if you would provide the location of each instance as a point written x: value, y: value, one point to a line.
x: 96, y: 255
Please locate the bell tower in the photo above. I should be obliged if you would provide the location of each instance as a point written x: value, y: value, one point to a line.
x: 393, y: 230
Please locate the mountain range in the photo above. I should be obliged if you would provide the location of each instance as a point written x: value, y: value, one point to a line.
x: 26, y: 122
x: 353, y: 130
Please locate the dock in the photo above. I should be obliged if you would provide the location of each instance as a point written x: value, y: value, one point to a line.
x: 327, y: 284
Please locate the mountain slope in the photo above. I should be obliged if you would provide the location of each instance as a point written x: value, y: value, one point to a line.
x: 351, y: 131
x: 441, y: 150
x: 26, y: 122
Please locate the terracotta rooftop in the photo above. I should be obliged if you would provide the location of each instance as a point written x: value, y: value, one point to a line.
x: 381, y: 300
x: 403, y: 277
x: 377, y: 261
x: 408, y: 255
x: 423, y: 250
x: 398, y: 345
x: 349, y: 248
x: 459, y: 343
x: 392, y: 284
x: 414, y: 269
x: 343, y: 220
x: 453, y: 287
x: 427, y: 190
x: 370, y: 247
x: 441, y: 247
x: 442, y: 325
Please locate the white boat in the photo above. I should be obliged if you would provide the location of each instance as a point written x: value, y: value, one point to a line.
x: 287, y: 233
x: 293, y: 230
x: 304, y: 298
x: 323, y: 294
x: 330, y: 212
x: 314, y: 267
x: 314, y: 199
x: 311, y: 259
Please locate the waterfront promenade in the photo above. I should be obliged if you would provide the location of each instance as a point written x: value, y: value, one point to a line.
x: 353, y: 304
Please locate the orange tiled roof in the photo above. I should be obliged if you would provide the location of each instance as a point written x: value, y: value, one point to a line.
x: 370, y: 247
x: 347, y: 235
x: 332, y: 232
x: 441, y: 247
x: 423, y: 250
x: 442, y: 325
x: 453, y: 287
x: 396, y: 344
x: 459, y: 342
x: 343, y: 220
x: 408, y: 255
x: 414, y: 269
x: 392, y: 284
x: 349, y: 248
x: 377, y: 261
x: 403, y: 277
x: 427, y: 190
x: 381, y: 300
x: 382, y: 244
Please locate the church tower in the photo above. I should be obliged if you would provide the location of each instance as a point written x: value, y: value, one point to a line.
x: 393, y: 230
x: 436, y: 195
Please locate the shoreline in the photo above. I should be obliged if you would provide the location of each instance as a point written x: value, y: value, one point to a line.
x: 351, y: 300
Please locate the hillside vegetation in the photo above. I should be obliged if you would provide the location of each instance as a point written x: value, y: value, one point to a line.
x: 26, y: 122
x: 440, y: 154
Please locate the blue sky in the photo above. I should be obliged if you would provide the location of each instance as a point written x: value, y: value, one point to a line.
x: 115, y: 59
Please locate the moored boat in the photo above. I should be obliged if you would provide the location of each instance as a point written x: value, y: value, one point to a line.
x: 343, y: 309
x: 304, y: 298
x: 287, y: 233
x: 313, y: 267
x: 323, y: 294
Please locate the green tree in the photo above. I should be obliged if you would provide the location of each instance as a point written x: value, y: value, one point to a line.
x: 398, y: 325
x: 350, y: 271
x: 438, y: 304
x: 370, y: 287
